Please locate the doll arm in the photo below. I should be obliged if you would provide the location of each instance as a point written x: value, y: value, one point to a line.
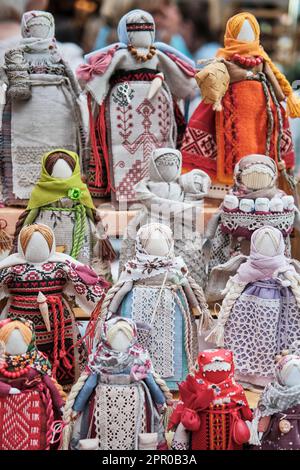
x: 85, y: 393
x: 155, y: 391
x: 192, y: 300
x: 119, y: 296
x: 57, y: 399
x: 5, y: 389
x: 263, y: 423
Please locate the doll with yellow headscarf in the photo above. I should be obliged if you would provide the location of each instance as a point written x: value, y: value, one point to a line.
x: 241, y: 112
x: 61, y: 200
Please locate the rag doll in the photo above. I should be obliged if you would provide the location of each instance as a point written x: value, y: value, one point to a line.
x: 35, y: 281
x: 241, y: 112
x: 42, y: 110
x: 173, y: 200
x: 62, y: 201
x: 212, y: 407
x: 254, y: 201
x: 155, y: 288
x: 133, y: 88
x: 118, y: 402
x: 31, y: 400
x: 276, y: 419
x: 260, y: 312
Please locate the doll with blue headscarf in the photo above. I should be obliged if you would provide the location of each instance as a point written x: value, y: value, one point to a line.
x: 133, y: 89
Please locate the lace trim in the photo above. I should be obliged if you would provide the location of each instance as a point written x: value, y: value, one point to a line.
x: 233, y: 221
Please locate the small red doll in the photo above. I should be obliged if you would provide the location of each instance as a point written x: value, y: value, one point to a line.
x: 213, y: 408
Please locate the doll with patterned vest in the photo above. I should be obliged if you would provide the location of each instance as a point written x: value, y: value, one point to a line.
x: 118, y: 402
x: 253, y: 202
x: 260, y: 313
x: 30, y: 398
x: 213, y: 408
x: 175, y: 200
x: 61, y: 200
x: 133, y: 88
x: 155, y: 288
x: 42, y: 110
x: 276, y: 423
x: 241, y: 112
x: 38, y: 284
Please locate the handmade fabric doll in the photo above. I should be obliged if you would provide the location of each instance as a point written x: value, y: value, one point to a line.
x: 173, y: 200
x: 119, y: 401
x: 132, y: 88
x: 213, y: 408
x: 241, y: 111
x: 253, y: 202
x: 260, y: 313
x: 62, y: 201
x: 42, y: 110
x: 154, y: 288
x: 35, y: 281
x: 278, y: 410
x: 30, y: 398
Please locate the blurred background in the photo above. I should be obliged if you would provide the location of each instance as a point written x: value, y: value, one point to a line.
x: 195, y: 27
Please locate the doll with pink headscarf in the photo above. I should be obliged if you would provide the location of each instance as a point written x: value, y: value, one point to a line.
x: 42, y: 110
x: 260, y: 313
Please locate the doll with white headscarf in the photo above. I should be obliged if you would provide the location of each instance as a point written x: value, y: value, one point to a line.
x: 38, y: 283
x: 175, y: 200
x: 119, y: 401
x: 260, y: 312
x: 276, y: 425
x: 133, y: 89
x: 155, y: 288
x: 253, y: 202
x: 42, y: 110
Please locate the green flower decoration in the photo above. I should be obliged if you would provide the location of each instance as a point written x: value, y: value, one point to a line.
x: 74, y: 194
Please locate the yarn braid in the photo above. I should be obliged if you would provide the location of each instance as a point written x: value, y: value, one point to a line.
x: 206, y: 320
x: 79, y: 230
x: 164, y: 388
x: 19, y: 225
x: 188, y: 339
x: 67, y: 417
x: 47, y: 401
x: 234, y: 290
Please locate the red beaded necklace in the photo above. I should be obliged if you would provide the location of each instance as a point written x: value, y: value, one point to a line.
x: 249, y: 62
x: 13, y: 375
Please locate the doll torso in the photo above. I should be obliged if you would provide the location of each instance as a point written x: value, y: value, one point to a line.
x: 274, y: 439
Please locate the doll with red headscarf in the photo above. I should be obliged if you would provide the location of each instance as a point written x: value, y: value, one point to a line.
x: 241, y: 112
x: 213, y: 408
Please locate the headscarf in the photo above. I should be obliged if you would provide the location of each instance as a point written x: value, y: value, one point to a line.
x: 260, y: 267
x: 278, y: 397
x: 240, y: 191
x: 253, y: 48
x: 109, y: 361
x: 50, y: 189
x: 33, y: 357
x: 144, y: 265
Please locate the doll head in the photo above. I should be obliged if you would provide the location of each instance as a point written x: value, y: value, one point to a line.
x: 243, y: 27
x: 60, y: 164
x: 155, y: 240
x: 267, y: 241
x: 16, y: 336
x: 38, y: 24
x: 36, y: 243
x: 214, y: 365
x: 137, y: 28
x: 255, y: 172
x: 120, y: 334
x: 287, y: 370
x: 165, y: 165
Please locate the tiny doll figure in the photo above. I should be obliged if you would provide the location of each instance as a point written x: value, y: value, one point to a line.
x: 62, y: 201
x: 213, y: 408
x: 155, y: 288
x: 35, y: 281
x: 260, y: 312
x: 241, y: 112
x: 42, y: 110
x: 175, y: 200
x: 277, y: 416
x: 133, y: 88
x: 30, y: 398
x: 119, y: 402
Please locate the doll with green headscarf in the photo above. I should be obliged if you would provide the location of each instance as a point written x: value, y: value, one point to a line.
x: 61, y: 200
